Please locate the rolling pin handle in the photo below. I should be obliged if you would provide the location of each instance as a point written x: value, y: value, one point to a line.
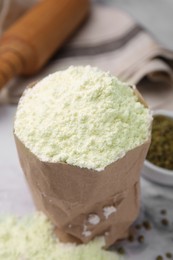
x: 30, y: 42
x: 10, y: 66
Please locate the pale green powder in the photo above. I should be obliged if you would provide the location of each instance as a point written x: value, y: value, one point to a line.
x: 82, y: 116
x: 32, y: 238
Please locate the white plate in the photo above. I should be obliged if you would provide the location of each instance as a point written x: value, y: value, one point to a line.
x: 153, y: 172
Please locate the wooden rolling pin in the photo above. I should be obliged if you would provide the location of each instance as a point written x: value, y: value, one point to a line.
x: 29, y: 43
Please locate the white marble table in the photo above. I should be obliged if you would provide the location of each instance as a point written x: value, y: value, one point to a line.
x: 15, y: 197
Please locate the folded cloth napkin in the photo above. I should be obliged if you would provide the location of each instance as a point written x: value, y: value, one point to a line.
x: 111, y: 40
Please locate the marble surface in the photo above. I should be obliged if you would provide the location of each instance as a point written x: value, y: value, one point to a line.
x: 15, y: 197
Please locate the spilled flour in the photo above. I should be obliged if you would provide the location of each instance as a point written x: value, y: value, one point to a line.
x: 32, y: 238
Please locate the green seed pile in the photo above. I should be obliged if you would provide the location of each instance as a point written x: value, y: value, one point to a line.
x: 161, y: 149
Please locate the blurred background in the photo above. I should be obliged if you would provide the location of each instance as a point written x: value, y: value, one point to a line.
x: 136, y: 38
x: 154, y: 15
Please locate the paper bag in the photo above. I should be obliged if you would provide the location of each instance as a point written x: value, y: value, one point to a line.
x: 84, y: 203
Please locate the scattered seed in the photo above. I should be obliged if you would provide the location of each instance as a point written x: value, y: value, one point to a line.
x: 147, y: 225
x: 165, y: 222
x: 131, y: 238
x: 121, y: 251
x: 141, y: 239
x: 168, y: 255
x: 159, y: 257
x: 163, y: 211
x: 138, y: 226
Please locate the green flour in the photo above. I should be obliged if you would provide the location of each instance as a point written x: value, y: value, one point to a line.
x: 32, y: 238
x: 81, y: 116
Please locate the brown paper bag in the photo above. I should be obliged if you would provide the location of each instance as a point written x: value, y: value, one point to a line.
x: 70, y: 196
